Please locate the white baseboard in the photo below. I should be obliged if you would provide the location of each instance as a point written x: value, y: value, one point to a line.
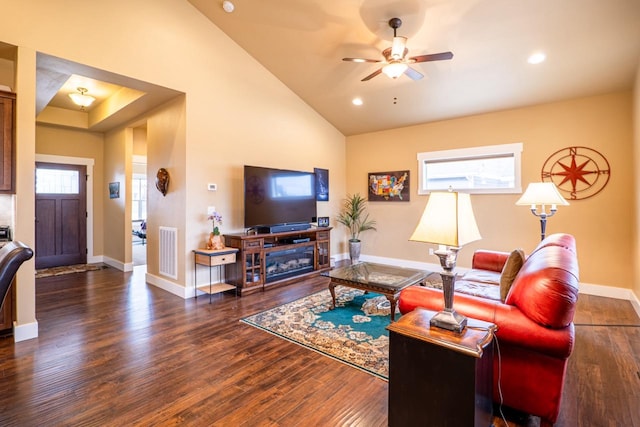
x: 95, y: 259
x: 171, y: 287
x: 25, y: 332
x: 119, y: 265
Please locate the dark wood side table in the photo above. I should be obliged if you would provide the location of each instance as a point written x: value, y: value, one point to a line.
x: 439, y: 377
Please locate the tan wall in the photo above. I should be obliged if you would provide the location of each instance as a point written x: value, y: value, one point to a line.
x: 76, y: 143
x: 636, y: 188
x: 602, y: 224
x: 118, y: 146
x: 233, y: 114
x: 140, y: 141
x: 166, y: 148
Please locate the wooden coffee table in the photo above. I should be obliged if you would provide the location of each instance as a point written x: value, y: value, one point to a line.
x: 383, y: 279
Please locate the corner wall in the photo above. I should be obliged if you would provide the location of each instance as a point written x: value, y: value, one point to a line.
x: 636, y: 161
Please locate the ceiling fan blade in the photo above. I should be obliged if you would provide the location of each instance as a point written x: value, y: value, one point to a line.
x: 372, y: 75
x: 361, y: 60
x: 432, y: 57
x: 413, y: 74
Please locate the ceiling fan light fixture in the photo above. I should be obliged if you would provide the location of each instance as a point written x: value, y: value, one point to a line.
x: 537, y: 58
x: 394, y: 70
x: 81, y: 98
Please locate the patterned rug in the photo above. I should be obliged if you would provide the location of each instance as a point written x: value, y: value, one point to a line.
x: 68, y: 269
x: 348, y: 334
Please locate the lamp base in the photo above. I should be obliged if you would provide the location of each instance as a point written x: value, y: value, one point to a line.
x: 450, y: 320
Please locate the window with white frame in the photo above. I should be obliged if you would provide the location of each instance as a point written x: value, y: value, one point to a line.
x: 139, y: 197
x: 488, y: 169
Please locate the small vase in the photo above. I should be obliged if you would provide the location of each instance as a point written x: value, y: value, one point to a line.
x: 215, y: 242
x: 354, y: 251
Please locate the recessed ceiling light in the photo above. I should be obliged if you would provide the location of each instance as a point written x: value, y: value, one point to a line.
x: 228, y: 6
x: 357, y: 101
x: 537, y: 58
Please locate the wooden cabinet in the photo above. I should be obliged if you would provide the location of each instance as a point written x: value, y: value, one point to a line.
x: 7, y: 154
x: 439, y: 377
x: 267, y: 260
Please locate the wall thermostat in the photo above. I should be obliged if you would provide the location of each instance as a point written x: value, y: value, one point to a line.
x: 323, y: 221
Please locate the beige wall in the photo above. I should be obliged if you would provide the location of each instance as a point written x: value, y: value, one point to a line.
x: 232, y: 115
x: 118, y: 146
x: 636, y: 187
x: 602, y: 224
x: 76, y: 143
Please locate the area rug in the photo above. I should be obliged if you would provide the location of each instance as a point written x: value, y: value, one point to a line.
x: 68, y: 269
x: 348, y: 334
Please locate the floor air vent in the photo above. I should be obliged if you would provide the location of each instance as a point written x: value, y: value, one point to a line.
x: 168, y: 252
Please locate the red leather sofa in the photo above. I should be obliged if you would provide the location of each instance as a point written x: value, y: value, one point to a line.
x: 535, y: 322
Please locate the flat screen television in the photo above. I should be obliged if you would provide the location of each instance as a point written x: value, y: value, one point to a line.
x: 278, y: 196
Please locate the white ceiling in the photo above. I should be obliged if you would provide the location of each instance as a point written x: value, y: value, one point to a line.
x: 592, y: 47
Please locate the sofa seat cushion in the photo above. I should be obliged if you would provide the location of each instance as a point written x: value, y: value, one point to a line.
x: 482, y: 276
x: 477, y: 289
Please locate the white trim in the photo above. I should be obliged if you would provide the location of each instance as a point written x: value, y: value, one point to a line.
x: 171, y: 287
x: 25, y: 331
x: 514, y: 149
x: 88, y: 162
x: 118, y: 265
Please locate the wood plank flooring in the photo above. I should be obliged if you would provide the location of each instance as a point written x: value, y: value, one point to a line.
x: 115, y: 351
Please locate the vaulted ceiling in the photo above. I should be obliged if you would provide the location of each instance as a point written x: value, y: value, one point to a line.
x: 591, y: 47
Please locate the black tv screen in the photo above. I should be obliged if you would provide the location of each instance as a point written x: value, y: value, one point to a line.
x: 278, y: 196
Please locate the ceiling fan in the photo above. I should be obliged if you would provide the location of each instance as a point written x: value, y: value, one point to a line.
x: 395, y: 60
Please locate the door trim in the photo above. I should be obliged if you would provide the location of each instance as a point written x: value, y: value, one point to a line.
x: 48, y: 158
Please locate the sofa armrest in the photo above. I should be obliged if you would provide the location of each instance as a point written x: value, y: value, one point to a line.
x: 513, y: 326
x: 489, y: 260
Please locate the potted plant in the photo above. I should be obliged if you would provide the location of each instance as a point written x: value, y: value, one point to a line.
x: 355, y: 217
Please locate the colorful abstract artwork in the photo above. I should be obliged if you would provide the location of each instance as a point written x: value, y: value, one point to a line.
x: 389, y: 186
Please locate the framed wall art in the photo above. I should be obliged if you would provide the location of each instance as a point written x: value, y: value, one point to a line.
x: 389, y: 186
x: 322, y: 184
x: 114, y: 190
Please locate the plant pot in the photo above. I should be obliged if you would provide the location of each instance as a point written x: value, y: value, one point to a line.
x: 215, y: 242
x: 354, y: 251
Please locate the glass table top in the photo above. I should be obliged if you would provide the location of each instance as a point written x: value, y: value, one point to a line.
x: 383, y: 276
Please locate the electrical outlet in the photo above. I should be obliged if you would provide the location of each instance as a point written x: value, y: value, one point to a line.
x: 430, y: 251
x: 211, y: 210
x: 212, y: 187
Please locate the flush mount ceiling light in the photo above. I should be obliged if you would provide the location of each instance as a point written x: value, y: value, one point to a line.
x: 537, y: 58
x: 357, y: 101
x: 228, y: 6
x: 81, y: 98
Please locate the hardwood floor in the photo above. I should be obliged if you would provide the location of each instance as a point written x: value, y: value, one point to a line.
x: 113, y: 350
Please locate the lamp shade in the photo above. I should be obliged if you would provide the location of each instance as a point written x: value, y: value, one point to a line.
x: 542, y: 193
x: 447, y: 220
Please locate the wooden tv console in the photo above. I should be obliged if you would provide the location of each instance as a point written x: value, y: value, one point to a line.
x: 276, y: 259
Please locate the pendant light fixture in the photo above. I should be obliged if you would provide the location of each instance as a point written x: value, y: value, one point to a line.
x: 81, y: 98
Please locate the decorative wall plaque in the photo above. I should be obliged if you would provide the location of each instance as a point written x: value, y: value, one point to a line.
x: 578, y: 172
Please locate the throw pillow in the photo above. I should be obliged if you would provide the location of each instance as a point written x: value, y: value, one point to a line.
x: 510, y: 271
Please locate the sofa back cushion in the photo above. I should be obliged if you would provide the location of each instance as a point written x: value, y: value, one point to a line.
x: 510, y: 271
x: 546, y: 289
